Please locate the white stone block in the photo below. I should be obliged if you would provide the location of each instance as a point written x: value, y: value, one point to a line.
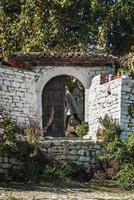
x: 4, y: 171
x: 15, y: 84
x: 7, y: 83
x: 84, y: 159
x: 73, y: 152
x: 5, y: 165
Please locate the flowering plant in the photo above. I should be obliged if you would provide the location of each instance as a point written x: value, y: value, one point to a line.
x: 15, y: 63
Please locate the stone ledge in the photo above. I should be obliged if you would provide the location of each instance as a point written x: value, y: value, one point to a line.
x: 80, y: 151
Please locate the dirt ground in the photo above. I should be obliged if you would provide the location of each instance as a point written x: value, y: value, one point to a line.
x: 55, y: 192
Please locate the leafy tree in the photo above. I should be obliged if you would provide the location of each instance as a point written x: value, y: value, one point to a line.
x: 66, y: 25
x: 127, y: 65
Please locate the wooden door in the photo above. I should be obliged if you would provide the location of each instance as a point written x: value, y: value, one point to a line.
x: 53, y: 99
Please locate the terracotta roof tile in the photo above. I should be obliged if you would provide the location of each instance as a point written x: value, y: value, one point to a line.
x: 62, y: 59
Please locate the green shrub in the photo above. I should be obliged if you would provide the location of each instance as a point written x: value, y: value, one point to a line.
x: 31, y: 169
x: 77, y: 172
x: 125, y: 177
x: 56, y: 172
x: 63, y: 171
x: 130, y: 144
x: 7, y: 135
x: 25, y: 147
x: 9, y: 130
x: 82, y: 129
x: 9, y: 144
x: 110, y: 129
x: 117, y: 151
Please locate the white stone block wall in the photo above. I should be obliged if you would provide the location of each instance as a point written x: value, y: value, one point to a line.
x: 17, y: 93
x: 112, y: 98
x: 21, y: 90
x: 127, y: 98
x: 81, y: 152
x: 77, y: 151
x: 103, y: 99
x: 10, y: 166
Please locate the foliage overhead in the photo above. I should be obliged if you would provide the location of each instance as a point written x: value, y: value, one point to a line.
x: 38, y: 25
x: 127, y: 65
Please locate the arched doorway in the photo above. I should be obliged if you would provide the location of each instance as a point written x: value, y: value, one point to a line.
x: 53, y: 103
x: 46, y: 76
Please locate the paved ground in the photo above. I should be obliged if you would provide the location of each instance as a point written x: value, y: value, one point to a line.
x: 53, y: 193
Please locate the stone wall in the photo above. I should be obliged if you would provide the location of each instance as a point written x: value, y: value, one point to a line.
x: 77, y: 151
x: 21, y: 94
x: 127, y: 100
x: 21, y: 90
x: 103, y: 99
x: 10, y: 166
x: 74, y: 150
x: 17, y: 93
x: 113, y: 98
